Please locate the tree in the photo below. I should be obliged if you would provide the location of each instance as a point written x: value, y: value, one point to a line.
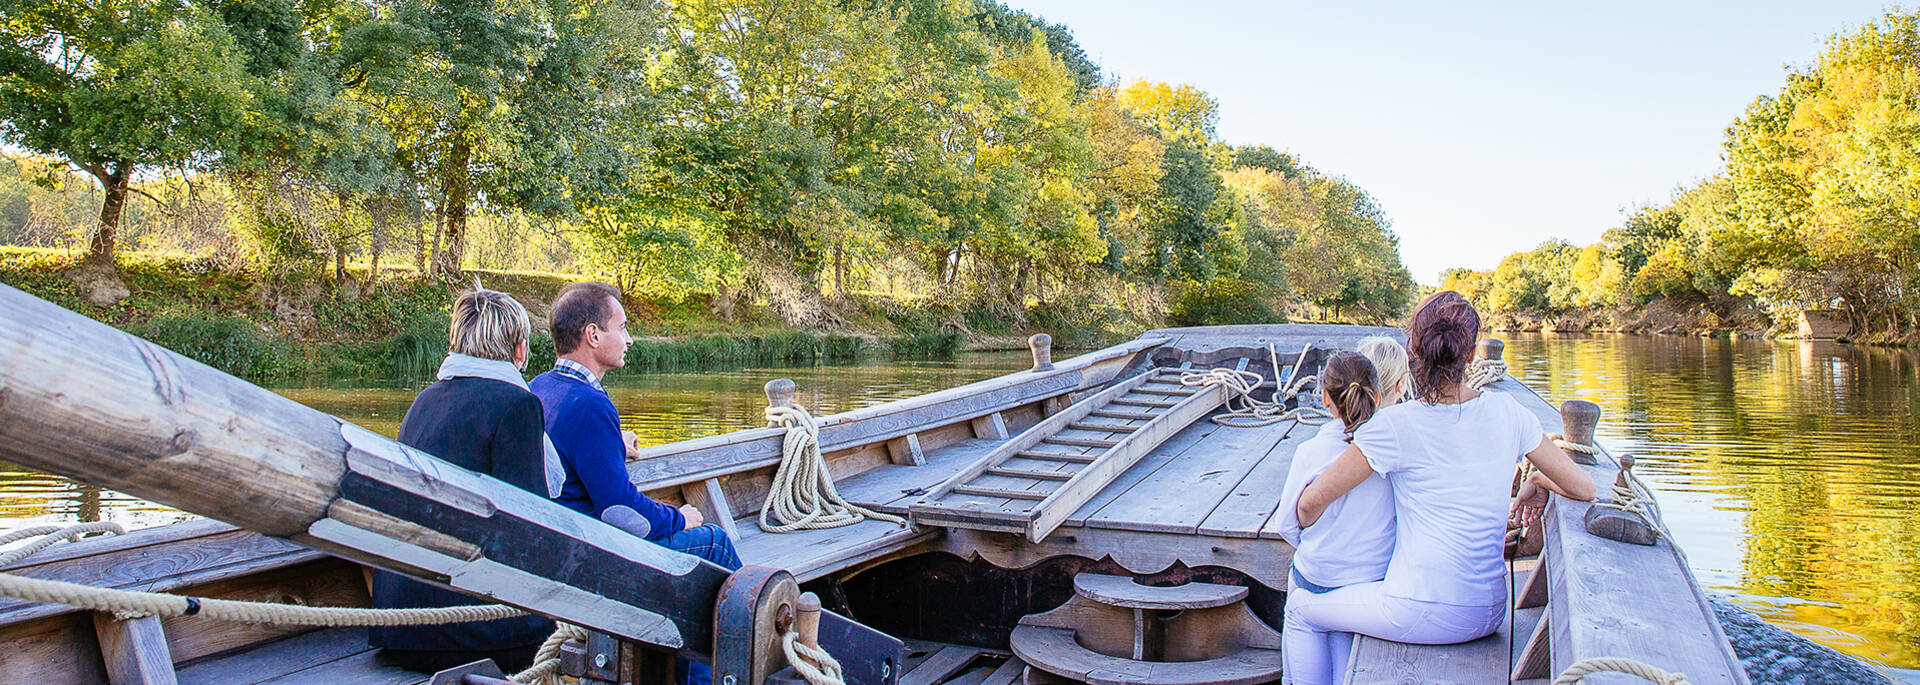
x: 118, y: 88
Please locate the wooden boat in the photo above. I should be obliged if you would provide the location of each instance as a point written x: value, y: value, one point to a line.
x: 1078, y: 521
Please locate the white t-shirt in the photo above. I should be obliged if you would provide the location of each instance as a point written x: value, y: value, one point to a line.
x: 1353, y: 540
x: 1451, y: 466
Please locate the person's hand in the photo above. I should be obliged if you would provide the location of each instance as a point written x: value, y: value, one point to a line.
x: 632, y: 442
x: 692, y: 514
x: 1528, y: 504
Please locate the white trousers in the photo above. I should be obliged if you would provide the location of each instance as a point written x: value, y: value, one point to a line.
x: 1319, y: 629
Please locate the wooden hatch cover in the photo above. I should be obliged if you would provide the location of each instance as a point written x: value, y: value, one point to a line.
x: 1033, y: 482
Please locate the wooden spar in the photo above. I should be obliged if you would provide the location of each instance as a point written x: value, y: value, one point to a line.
x: 84, y: 400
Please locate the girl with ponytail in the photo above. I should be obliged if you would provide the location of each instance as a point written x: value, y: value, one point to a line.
x: 1448, y: 458
x: 1353, y: 540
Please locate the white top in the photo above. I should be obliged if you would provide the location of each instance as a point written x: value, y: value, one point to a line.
x: 1451, y: 466
x: 1353, y: 539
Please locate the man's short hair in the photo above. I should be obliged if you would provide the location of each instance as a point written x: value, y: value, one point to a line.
x: 590, y: 302
x: 488, y: 324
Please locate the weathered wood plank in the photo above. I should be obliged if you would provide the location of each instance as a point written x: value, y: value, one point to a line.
x: 1058, y: 456
x: 942, y: 665
x: 161, y: 559
x: 1079, y: 442
x: 1263, y: 560
x: 1097, y: 476
x: 905, y: 450
x: 1025, y: 473
x: 1181, y: 494
x: 810, y: 554
x: 1251, y: 504
x: 1123, y: 592
x: 891, y: 488
x: 707, y: 496
x: 133, y: 650
x: 278, y: 658
x: 991, y: 427
x: 1101, y: 427
x: 1169, y: 450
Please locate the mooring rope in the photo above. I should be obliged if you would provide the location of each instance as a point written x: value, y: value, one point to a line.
x: 802, y: 496
x: 1484, y: 372
x: 546, y: 660
x: 815, y: 666
x: 131, y: 603
x: 1633, y: 497
x: 1585, y: 667
x: 1243, y: 411
x: 1571, y: 446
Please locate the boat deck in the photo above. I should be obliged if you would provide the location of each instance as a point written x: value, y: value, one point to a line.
x: 1206, y: 496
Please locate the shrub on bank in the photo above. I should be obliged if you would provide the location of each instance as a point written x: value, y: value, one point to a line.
x: 228, y: 343
x: 1224, y: 301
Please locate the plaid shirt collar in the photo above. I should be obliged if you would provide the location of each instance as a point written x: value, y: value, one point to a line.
x: 579, y: 372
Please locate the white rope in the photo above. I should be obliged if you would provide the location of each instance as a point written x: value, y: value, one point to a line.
x: 815, y: 666
x: 1585, y: 667
x: 1484, y: 372
x: 1635, y: 498
x: 1571, y: 446
x: 129, y: 603
x: 546, y: 660
x: 802, y: 496
x: 1243, y: 411
x: 52, y: 535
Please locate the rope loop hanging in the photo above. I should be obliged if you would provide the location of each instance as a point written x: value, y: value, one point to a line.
x: 1484, y: 372
x: 1571, y: 446
x: 546, y: 660
x: 815, y: 666
x: 803, y: 496
x: 1609, y: 664
x: 1633, y: 497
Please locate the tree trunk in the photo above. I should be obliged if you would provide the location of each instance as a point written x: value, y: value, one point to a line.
x: 839, y: 271
x: 100, y: 250
x: 457, y: 191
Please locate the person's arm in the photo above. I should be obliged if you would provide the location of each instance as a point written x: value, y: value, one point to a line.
x: 519, y: 453
x: 601, y: 464
x: 1557, y: 472
x: 1297, y: 480
x: 1346, y: 473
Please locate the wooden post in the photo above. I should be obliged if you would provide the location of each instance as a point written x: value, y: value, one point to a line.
x: 906, y: 451
x: 1491, y: 348
x: 1042, y: 346
x: 779, y: 394
x: 711, y: 500
x: 134, y: 650
x: 1578, y: 418
x: 1614, y: 524
x: 807, y: 621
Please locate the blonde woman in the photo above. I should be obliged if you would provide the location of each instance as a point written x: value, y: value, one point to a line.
x: 480, y: 416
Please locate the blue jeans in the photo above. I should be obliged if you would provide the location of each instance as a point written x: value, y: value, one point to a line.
x: 708, y: 542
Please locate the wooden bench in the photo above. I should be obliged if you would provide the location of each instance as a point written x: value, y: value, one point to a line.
x: 1486, y: 660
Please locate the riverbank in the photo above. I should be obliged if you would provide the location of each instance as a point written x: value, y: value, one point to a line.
x: 1731, y: 318
x: 394, y: 327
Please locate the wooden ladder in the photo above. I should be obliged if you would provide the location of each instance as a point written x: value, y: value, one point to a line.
x: 1030, y: 484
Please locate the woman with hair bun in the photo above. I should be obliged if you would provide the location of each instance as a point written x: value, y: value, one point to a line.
x: 1449, y: 457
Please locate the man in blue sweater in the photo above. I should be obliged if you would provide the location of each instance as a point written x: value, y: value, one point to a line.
x: 590, y: 335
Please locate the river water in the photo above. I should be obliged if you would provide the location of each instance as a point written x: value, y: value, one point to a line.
x: 1789, y: 472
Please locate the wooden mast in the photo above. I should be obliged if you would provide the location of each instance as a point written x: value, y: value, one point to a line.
x: 87, y: 401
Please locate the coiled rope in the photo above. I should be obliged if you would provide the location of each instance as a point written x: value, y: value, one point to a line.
x: 1243, y: 411
x: 546, y: 660
x: 1585, y: 667
x: 1484, y: 372
x: 802, y: 496
x: 815, y: 666
x: 1633, y: 497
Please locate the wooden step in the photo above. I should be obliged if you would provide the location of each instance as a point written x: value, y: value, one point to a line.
x: 1024, y: 473
x: 1079, y: 442
x: 1102, y: 427
x: 1056, y: 456
x: 1183, y: 391
x: 1139, y: 402
x: 1130, y: 415
x: 1057, y: 651
x: 998, y: 492
x: 1121, y: 591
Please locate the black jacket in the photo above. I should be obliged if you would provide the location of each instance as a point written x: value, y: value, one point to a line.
x: 493, y: 428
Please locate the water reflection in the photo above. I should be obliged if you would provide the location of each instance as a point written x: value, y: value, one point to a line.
x: 1788, y: 471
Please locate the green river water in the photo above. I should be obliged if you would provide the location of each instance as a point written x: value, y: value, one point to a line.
x: 1789, y: 472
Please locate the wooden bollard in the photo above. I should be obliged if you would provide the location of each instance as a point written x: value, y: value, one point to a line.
x: 1578, y: 418
x: 1490, y: 348
x: 779, y: 392
x: 808, y: 620
x: 1042, y: 346
x: 1614, y: 524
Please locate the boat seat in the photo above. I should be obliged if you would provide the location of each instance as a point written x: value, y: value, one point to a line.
x: 1114, y: 630
x: 332, y: 655
x: 1061, y: 652
x: 1124, y: 592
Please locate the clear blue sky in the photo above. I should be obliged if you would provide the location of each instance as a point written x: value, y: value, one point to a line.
x: 1480, y: 131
